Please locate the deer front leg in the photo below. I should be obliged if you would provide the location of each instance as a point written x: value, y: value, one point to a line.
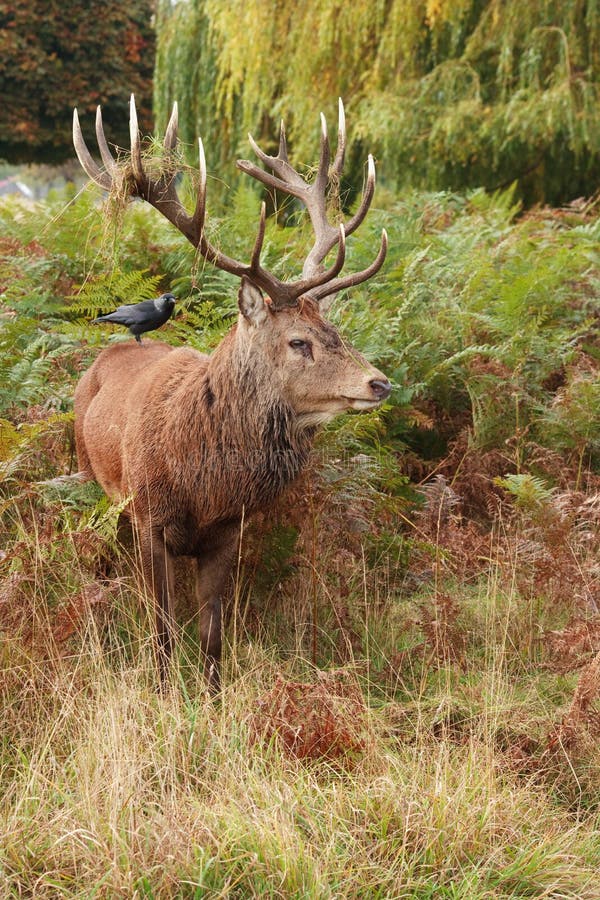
x: 212, y: 574
x: 157, y: 575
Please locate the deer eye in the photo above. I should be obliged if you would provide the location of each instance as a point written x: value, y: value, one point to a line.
x: 303, y: 347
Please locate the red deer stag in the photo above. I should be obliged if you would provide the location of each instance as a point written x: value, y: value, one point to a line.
x: 201, y: 441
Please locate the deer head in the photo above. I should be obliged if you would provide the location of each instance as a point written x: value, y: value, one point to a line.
x: 318, y: 373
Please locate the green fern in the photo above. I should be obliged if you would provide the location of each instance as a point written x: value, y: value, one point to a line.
x: 24, y: 372
x: 529, y: 491
x: 104, y: 292
x: 19, y: 444
x: 103, y: 519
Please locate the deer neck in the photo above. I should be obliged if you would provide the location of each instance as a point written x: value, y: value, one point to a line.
x: 260, y: 443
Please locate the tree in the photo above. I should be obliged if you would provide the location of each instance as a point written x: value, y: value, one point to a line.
x: 449, y: 93
x: 56, y: 54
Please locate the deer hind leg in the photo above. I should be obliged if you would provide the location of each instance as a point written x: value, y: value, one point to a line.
x: 212, y: 575
x: 157, y: 575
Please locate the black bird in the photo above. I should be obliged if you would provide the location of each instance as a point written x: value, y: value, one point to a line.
x: 142, y: 317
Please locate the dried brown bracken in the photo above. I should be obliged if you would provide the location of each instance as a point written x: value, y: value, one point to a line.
x: 582, y: 721
x: 440, y: 502
x: 327, y: 719
x: 72, y: 617
x: 573, y: 646
x: 444, y: 637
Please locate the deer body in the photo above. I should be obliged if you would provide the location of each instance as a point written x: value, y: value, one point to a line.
x: 200, y: 442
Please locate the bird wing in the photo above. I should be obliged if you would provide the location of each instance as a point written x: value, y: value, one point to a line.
x: 129, y: 314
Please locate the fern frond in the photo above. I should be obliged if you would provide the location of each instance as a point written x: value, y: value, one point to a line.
x: 529, y: 491
x: 104, y: 292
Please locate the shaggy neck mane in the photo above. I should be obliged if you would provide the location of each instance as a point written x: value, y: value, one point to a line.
x: 241, y: 421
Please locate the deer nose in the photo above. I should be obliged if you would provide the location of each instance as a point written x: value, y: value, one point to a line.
x: 381, y: 389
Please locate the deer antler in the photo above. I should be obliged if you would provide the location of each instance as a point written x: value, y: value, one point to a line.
x: 314, y: 198
x: 161, y: 193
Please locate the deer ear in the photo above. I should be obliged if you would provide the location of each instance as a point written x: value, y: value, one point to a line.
x: 251, y: 303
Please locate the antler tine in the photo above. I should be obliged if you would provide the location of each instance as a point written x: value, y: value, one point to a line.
x: 170, y: 141
x: 107, y: 157
x: 366, y: 198
x: 84, y: 156
x: 339, y: 284
x: 260, y: 236
x: 338, y: 162
x: 321, y: 178
x: 340, y: 259
x: 136, y: 148
x: 305, y: 286
x: 244, y: 165
x: 286, y: 178
x: 283, y: 154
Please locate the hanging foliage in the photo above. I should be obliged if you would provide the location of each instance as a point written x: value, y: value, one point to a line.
x: 449, y: 93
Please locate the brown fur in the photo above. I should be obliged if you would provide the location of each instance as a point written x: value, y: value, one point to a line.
x: 200, y: 441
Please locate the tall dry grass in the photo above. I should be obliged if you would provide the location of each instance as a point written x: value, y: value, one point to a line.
x: 110, y: 789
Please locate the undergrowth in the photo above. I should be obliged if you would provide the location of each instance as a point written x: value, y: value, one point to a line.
x: 412, y: 667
